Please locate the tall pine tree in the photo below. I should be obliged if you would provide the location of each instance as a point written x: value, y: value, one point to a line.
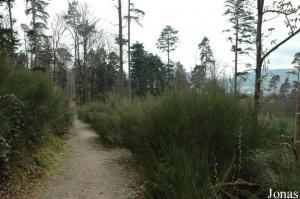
x: 168, y: 42
x: 37, y: 10
x: 206, y: 68
x: 242, y: 19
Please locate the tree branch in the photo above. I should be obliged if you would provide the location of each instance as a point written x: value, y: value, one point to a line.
x: 280, y: 12
x: 280, y: 44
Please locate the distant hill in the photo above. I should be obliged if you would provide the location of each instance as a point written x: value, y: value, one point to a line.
x: 248, y: 86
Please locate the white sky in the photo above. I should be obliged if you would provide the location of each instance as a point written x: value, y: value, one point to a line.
x: 194, y: 19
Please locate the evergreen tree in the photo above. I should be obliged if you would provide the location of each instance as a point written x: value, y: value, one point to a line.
x: 12, y: 41
x: 206, y: 68
x: 148, y: 72
x: 157, y: 74
x: 296, y: 61
x: 37, y: 10
x: 198, y: 76
x: 181, y: 81
x: 99, y: 61
x: 168, y: 42
x: 285, y: 88
x: 138, y: 72
x: 4, y: 40
x: 86, y: 28
x: 72, y: 20
x: 134, y: 14
x: 242, y: 19
x: 7, y: 38
x: 112, y: 72
x: 120, y: 41
x: 296, y: 88
x: 45, y: 54
x: 106, y: 72
x: 275, y: 79
x: 206, y: 57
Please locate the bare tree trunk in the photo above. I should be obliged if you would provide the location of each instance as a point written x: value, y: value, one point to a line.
x: 80, y: 69
x: 259, y: 57
x: 84, y: 70
x: 54, y: 65
x: 121, y: 44
x: 31, y: 57
x: 297, y: 92
x: 168, y: 52
x: 297, y: 136
x: 236, y: 56
x: 75, y: 66
x: 26, y: 54
x: 259, y: 61
x: 169, y: 68
x: 129, y: 55
x: 11, y: 33
x: 93, y: 84
x: 78, y: 51
x: 34, y: 34
x: 297, y: 121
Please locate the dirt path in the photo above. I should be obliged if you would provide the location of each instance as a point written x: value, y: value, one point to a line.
x: 89, y: 172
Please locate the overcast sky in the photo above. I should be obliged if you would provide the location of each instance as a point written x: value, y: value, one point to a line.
x: 194, y: 19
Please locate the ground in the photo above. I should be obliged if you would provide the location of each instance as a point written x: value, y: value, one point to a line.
x: 88, y: 171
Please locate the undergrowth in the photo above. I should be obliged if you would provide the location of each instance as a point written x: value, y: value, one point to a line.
x: 37, y: 163
x: 197, y: 145
x: 31, y: 108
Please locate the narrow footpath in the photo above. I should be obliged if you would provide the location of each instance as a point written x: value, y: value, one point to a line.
x: 90, y: 171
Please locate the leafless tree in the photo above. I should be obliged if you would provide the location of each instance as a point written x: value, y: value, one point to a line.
x: 58, y: 28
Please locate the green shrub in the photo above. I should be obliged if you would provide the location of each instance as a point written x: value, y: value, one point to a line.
x: 30, y: 106
x: 43, y: 102
x: 184, y: 142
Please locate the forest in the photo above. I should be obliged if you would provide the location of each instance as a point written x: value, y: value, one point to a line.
x: 190, y: 134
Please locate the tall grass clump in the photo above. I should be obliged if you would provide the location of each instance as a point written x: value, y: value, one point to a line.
x: 30, y: 107
x: 186, y: 143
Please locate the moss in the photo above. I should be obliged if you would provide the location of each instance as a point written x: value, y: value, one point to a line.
x: 47, y: 156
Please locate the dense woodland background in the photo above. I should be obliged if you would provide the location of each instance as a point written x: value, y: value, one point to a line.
x: 202, y: 134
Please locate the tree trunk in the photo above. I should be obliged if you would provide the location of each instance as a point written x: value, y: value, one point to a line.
x: 297, y: 91
x: 168, y: 67
x: 297, y: 135
x: 129, y: 55
x: 34, y: 34
x: 54, y: 65
x: 84, y: 86
x: 121, y: 44
x: 168, y: 41
x: 25, y: 43
x: 75, y: 66
x: 11, y: 33
x: 236, y: 56
x: 259, y: 61
x: 80, y: 68
x: 31, y: 57
x: 93, y: 84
